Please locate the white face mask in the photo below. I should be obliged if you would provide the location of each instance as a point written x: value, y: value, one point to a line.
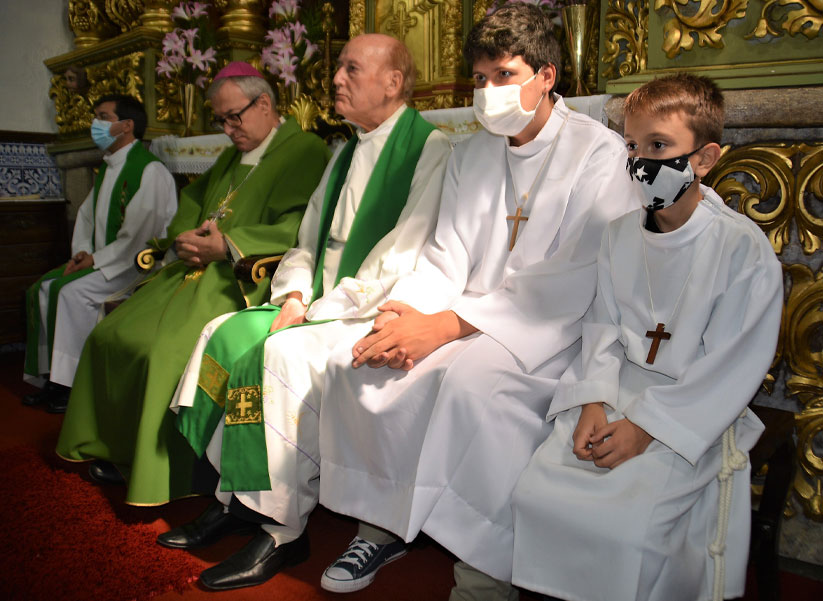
x: 499, y: 110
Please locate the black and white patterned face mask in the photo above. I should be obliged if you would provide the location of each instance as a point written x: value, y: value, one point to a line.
x: 663, y: 180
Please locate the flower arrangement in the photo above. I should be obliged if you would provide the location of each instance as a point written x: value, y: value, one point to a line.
x: 188, y: 51
x: 289, y: 49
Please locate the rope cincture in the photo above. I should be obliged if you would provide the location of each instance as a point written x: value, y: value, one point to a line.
x: 734, y: 460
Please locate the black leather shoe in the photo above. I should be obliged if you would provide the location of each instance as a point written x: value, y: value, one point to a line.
x: 255, y: 563
x: 207, y: 529
x: 104, y: 472
x: 58, y: 402
x: 35, y: 398
x: 40, y: 397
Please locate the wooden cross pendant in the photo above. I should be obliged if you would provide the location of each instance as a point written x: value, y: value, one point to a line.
x: 656, y: 335
x: 517, y: 218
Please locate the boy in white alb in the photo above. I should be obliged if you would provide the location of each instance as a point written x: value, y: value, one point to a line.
x: 641, y: 490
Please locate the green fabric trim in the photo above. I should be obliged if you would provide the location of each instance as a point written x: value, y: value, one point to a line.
x: 383, y: 199
x: 125, y: 187
x: 33, y: 321
x: 230, y: 342
x: 34, y: 318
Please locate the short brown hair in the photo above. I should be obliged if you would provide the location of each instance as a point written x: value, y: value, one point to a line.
x: 400, y: 58
x: 517, y: 30
x: 698, y: 97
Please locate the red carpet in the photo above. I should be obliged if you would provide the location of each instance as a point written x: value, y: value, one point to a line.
x: 63, y: 540
x: 49, y: 512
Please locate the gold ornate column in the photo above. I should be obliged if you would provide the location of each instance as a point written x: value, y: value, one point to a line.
x: 89, y: 22
x: 157, y: 14
x: 243, y: 17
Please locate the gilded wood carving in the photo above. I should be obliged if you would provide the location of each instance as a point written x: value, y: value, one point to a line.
x: 803, y: 337
x: 777, y: 186
x: 805, y: 19
x: 703, y: 25
x: 626, y: 37
x: 120, y: 75
x: 776, y: 198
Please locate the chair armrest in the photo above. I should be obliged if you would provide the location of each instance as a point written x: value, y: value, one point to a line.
x: 146, y: 259
x: 256, y: 267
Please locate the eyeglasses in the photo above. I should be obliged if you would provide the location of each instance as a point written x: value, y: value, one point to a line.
x: 232, y: 119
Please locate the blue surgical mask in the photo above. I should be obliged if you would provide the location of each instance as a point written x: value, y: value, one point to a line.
x: 100, y: 133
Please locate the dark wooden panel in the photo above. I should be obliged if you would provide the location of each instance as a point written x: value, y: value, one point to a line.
x: 33, y: 240
x: 12, y: 325
x: 13, y: 290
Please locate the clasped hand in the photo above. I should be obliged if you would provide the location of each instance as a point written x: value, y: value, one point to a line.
x: 607, y: 444
x: 81, y: 260
x: 400, y: 336
x: 201, y: 246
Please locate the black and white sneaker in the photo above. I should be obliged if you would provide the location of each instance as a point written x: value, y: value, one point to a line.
x: 356, y: 568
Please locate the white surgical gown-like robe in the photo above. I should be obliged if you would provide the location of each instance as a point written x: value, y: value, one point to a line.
x: 79, y: 303
x: 439, y: 448
x: 295, y: 359
x: 643, y: 530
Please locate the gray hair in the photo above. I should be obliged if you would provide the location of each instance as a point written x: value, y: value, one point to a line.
x: 250, y: 85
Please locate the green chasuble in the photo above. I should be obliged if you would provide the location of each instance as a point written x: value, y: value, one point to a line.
x: 133, y: 359
x: 125, y: 187
x: 230, y: 381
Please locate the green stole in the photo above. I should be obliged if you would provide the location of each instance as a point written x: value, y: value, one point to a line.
x: 244, y: 460
x: 125, y: 187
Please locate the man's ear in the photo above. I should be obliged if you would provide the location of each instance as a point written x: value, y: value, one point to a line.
x: 265, y: 103
x: 549, y: 77
x: 126, y: 126
x: 394, y: 84
x: 707, y: 158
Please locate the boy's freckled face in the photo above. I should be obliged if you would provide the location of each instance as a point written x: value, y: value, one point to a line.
x: 658, y: 137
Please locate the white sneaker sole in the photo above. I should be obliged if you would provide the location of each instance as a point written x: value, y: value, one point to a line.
x: 350, y: 586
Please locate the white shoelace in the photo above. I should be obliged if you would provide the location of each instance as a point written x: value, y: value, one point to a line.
x: 359, y: 552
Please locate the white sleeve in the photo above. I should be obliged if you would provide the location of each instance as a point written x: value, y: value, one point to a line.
x: 147, y: 215
x: 595, y: 375
x: 397, y: 253
x: 739, y: 343
x: 81, y: 239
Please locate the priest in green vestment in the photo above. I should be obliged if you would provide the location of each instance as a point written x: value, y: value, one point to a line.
x: 250, y: 399
x: 133, y: 200
x: 250, y: 202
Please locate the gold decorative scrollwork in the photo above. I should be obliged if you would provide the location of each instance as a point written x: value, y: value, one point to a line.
x: 626, y: 37
x: 804, y: 355
x: 774, y: 186
x: 88, y: 21
x: 117, y: 76
x: 125, y: 13
x: 73, y: 109
x: 807, y: 20
x: 169, y: 108
x: 810, y: 188
x: 704, y: 24
x: 357, y: 18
